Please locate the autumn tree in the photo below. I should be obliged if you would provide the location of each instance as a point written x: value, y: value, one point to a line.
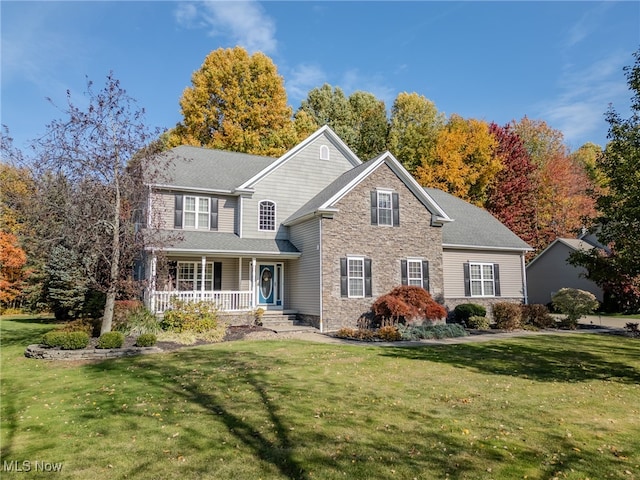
x: 89, y: 185
x: 12, y: 275
x: 617, y: 269
x: 236, y: 102
x: 564, y: 195
x: 511, y: 193
x: 370, y: 123
x: 464, y: 160
x: 413, y: 130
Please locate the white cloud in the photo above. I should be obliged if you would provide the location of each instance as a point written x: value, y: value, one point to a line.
x: 244, y: 22
x: 586, y: 94
x: 303, y: 78
x: 353, y: 80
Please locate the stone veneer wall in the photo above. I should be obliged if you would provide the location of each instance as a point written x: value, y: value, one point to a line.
x: 350, y: 233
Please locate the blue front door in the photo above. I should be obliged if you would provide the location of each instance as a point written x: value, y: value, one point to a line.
x: 266, y: 284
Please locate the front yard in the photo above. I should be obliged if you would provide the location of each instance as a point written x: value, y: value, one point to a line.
x: 542, y: 407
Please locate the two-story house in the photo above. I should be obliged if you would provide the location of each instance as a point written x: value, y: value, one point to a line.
x: 318, y: 234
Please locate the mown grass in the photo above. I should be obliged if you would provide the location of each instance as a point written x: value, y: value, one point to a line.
x: 541, y: 407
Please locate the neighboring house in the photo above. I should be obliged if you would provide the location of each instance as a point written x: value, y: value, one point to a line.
x: 320, y: 235
x: 550, y: 270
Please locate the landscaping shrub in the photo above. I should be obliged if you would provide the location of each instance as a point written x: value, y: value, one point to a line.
x: 65, y: 340
x: 388, y: 333
x: 417, y: 332
x: 139, y: 320
x: 574, y: 304
x: 90, y: 326
x: 537, y: 316
x: 196, y: 317
x: 356, y: 334
x: 464, y: 311
x: 122, y: 310
x: 146, y: 340
x: 405, y: 304
x: 476, y: 321
x: 111, y: 340
x: 507, y: 316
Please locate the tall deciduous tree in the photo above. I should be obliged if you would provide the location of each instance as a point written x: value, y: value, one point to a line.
x: 413, y: 130
x: 464, y: 160
x: 371, y: 124
x: 511, y: 193
x: 12, y: 261
x: 236, y: 102
x: 89, y: 185
x: 618, y: 272
x: 564, y: 199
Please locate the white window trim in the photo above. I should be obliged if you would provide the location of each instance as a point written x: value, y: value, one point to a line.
x: 482, y: 280
x: 260, y: 203
x: 197, y: 213
x: 378, y: 209
x: 349, y: 277
x: 197, y: 275
x: 409, y: 277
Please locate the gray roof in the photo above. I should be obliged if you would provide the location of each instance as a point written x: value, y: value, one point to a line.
x: 228, y: 243
x: 473, y: 226
x: 205, y: 168
x: 328, y: 192
x: 577, y: 244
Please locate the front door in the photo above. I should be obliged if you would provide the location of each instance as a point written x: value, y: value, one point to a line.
x: 270, y: 284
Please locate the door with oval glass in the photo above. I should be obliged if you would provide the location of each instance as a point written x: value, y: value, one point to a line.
x: 270, y: 284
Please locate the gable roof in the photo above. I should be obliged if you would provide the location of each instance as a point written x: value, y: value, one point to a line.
x: 575, y: 244
x: 326, y: 131
x: 474, y: 227
x: 199, y: 168
x: 324, y: 202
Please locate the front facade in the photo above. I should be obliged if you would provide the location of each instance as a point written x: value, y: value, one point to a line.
x: 315, y: 233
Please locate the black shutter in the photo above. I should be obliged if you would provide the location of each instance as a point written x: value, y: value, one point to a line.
x: 374, y: 207
x: 213, y: 223
x: 395, y: 199
x: 404, y: 280
x: 344, y: 279
x: 467, y: 280
x: 496, y: 278
x: 217, y: 276
x: 425, y: 275
x: 177, y: 216
x: 367, y: 277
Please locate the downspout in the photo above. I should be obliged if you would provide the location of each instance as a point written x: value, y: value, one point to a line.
x: 524, y: 279
x: 321, y: 274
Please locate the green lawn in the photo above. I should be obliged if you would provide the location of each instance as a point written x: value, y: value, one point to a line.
x: 540, y: 407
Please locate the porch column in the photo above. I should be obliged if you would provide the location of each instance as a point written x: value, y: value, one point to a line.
x: 254, y: 292
x: 152, y: 283
x: 202, y: 276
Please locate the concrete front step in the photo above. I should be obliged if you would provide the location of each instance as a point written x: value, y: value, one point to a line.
x: 273, y: 320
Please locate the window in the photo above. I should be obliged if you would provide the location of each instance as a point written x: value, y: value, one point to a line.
x: 482, y: 280
x: 415, y: 271
x: 324, y: 152
x: 189, y: 276
x: 385, y: 208
x: 355, y: 277
x: 267, y: 215
x: 196, y: 212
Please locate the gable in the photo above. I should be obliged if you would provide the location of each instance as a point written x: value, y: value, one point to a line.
x: 326, y: 200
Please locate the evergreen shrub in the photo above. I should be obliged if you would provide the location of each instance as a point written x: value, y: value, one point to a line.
x: 111, y: 340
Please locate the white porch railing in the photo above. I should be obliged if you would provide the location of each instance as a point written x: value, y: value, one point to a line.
x: 227, y: 301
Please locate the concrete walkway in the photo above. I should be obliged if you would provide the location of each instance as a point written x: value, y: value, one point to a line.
x: 314, y: 335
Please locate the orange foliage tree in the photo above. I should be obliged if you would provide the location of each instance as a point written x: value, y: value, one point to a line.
x: 12, y: 261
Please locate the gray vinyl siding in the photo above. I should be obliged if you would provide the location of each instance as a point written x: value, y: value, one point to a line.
x: 551, y: 272
x: 303, y: 276
x: 292, y: 184
x: 511, y: 285
x: 163, y: 204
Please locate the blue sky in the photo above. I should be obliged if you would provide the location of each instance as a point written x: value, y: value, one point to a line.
x: 560, y: 62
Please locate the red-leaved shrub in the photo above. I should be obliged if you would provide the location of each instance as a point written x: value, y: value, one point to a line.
x: 406, y: 303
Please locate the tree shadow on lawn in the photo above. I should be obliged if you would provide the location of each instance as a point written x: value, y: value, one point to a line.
x: 22, y: 336
x: 569, y: 358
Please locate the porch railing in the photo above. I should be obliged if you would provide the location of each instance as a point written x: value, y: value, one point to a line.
x: 227, y: 301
